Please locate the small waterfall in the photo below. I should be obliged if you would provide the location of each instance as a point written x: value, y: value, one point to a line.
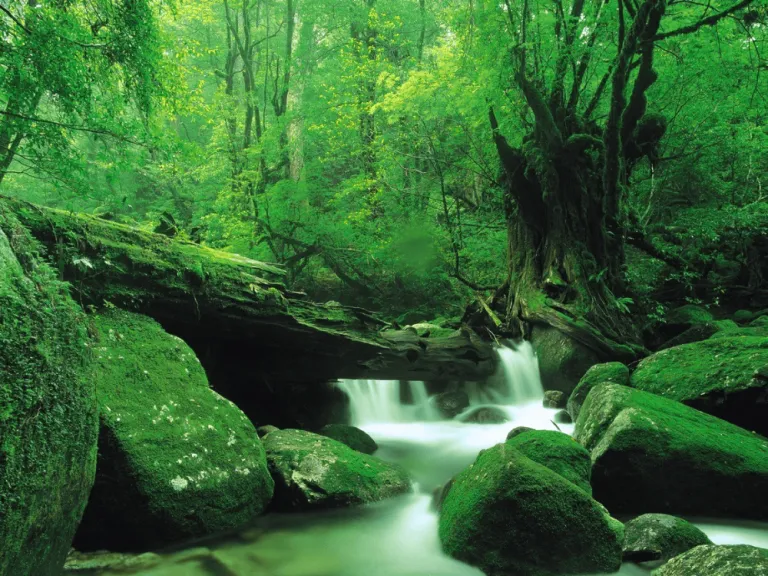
x: 520, y: 369
x: 379, y: 402
x: 516, y: 381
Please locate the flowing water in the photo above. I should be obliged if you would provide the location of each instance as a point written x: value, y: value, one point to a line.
x: 398, y: 537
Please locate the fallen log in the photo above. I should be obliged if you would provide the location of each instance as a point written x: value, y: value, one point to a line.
x: 221, y: 302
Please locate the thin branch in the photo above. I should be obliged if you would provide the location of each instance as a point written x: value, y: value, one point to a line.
x: 74, y: 127
x: 708, y: 21
x: 15, y: 20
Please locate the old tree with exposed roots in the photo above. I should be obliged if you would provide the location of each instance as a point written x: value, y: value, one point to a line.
x: 586, y: 106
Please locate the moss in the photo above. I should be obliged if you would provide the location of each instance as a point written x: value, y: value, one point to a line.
x: 756, y: 331
x: 689, y: 315
x: 609, y: 372
x: 47, y: 410
x: 312, y: 471
x: 686, y: 372
x: 651, y: 453
x: 738, y: 560
x: 507, y: 514
x: 660, y: 537
x: 176, y: 459
x: 743, y: 316
x: 558, y: 452
x: 350, y: 436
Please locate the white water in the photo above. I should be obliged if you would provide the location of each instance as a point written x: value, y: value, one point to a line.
x: 379, y: 401
x: 398, y: 537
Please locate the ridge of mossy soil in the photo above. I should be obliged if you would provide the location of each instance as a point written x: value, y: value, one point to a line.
x: 652, y: 453
x: 48, y: 417
x: 176, y: 460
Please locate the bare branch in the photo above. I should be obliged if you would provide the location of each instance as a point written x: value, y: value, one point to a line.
x: 73, y: 127
x: 708, y: 21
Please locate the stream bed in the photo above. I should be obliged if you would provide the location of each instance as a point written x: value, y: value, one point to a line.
x: 397, y: 537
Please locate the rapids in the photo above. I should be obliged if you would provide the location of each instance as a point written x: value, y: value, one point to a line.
x: 398, y: 537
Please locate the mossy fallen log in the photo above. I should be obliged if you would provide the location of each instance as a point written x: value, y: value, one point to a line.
x: 216, y: 300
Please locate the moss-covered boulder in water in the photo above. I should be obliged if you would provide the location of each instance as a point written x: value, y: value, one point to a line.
x: 650, y: 453
x: 507, y: 514
x: 558, y: 452
x: 312, y: 471
x: 660, y: 537
x: 615, y: 372
x: 716, y: 376
x: 738, y: 560
x: 48, y: 418
x: 176, y: 460
x: 350, y: 436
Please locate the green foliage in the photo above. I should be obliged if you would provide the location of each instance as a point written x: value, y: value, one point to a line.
x: 353, y: 145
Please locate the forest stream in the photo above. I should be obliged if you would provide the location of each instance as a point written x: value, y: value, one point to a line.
x: 399, y: 536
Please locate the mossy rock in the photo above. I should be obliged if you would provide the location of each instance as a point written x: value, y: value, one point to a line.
x: 176, y: 460
x: 760, y: 322
x: 743, y: 316
x: 313, y: 472
x: 48, y: 417
x: 695, y: 333
x: 736, y: 560
x: 554, y: 399
x: 266, y: 429
x: 558, y: 452
x: 660, y: 537
x: 757, y: 331
x: 507, y: 514
x: 451, y: 404
x: 689, y: 315
x: 716, y: 376
x: 615, y: 372
x: 651, y: 453
x: 350, y: 436
x: 485, y: 415
x: 562, y: 360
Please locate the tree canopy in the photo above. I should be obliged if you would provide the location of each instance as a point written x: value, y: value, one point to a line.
x: 548, y: 160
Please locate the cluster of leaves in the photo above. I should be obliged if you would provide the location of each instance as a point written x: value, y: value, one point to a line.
x: 349, y: 141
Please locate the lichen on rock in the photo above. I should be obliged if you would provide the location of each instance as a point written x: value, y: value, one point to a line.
x: 176, y: 460
x: 312, y: 472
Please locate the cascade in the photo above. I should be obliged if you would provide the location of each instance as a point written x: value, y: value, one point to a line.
x: 516, y: 382
x: 379, y: 401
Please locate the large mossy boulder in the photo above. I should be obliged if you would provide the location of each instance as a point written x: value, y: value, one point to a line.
x: 562, y: 360
x: 48, y: 417
x: 736, y: 560
x: 176, y: 460
x: 507, y: 514
x: 313, y: 472
x: 350, y: 436
x: 717, y: 376
x: 558, y: 452
x: 660, y: 537
x: 654, y: 454
x: 615, y: 372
